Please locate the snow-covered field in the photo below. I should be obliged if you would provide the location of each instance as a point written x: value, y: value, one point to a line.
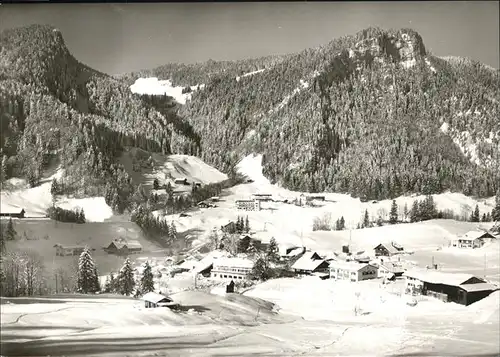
x: 316, y: 318
x: 36, y: 200
x: 153, y: 86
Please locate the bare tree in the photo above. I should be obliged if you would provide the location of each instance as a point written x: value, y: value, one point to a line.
x: 231, y: 243
x: 33, y: 272
x: 323, y: 223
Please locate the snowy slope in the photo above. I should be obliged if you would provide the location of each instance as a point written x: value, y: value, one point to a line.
x: 154, y: 86
x: 37, y: 200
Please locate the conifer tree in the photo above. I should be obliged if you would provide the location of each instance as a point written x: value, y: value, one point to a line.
x: 272, y: 253
x: 3, y: 169
x: 247, y: 225
x: 110, y: 285
x: 156, y: 184
x: 87, y: 273
x: 10, y: 232
x: 366, y: 220
x: 475, y: 215
x: 147, y: 281
x: 126, y: 282
x: 173, y: 232
x: 393, y: 215
x: 495, y: 213
x: 2, y: 244
x: 405, y: 211
x: 54, y: 187
x: 414, y: 213
x: 484, y: 218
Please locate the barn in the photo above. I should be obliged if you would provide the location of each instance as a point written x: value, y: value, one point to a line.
x: 463, y: 289
x: 18, y: 214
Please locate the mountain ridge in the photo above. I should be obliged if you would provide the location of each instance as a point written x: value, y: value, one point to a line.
x: 362, y: 114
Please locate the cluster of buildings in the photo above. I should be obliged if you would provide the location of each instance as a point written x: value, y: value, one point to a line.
x: 118, y: 246
x: 472, y: 239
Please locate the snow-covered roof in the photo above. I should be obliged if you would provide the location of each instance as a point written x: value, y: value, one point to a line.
x: 133, y: 244
x: 394, y: 268
x: 478, y: 287
x: 438, y: 277
x: 233, y: 262
x: 306, y: 262
x: 350, y: 266
x: 188, y: 264
x: 295, y: 251
x: 391, y: 247
x: 155, y: 297
x: 472, y: 235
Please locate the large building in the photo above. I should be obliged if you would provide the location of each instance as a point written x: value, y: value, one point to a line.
x: 472, y: 239
x: 353, y: 271
x: 462, y: 289
x: 248, y: 205
x: 231, y: 268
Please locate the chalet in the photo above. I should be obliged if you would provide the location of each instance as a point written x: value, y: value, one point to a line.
x: 229, y: 227
x: 63, y: 251
x: 204, y: 204
x: 388, y: 249
x: 214, y: 199
x: 310, y: 262
x: 472, y: 239
x: 152, y: 300
x: 262, y: 196
x: 123, y: 247
x: 248, y: 242
x: 231, y: 268
x: 248, y: 205
x: 390, y: 270
x: 181, y: 181
x: 352, y: 271
x: 19, y: 214
x: 463, y: 289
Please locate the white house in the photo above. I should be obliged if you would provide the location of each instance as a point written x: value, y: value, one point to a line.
x: 262, y: 196
x: 248, y: 205
x: 472, y: 239
x: 389, y: 270
x: 310, y: 263
x: 231, y: 268
x: 352, y: 271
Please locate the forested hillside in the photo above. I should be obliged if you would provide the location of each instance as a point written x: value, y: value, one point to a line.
x: 373, y: 114
x: 55, y: 109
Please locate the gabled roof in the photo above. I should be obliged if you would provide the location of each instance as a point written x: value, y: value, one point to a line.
x: 478, y: 287
x: 439, y: 277
x: 350, y: 266
x: 233, y: 262
x: 393, y: 268
x: 133, y: 244
x: 309, y: 261
x: 476, y: 235
x: 155, y: 298
x: 390, y: 248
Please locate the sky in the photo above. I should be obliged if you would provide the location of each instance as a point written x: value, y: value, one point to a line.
x: 120, y: 38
